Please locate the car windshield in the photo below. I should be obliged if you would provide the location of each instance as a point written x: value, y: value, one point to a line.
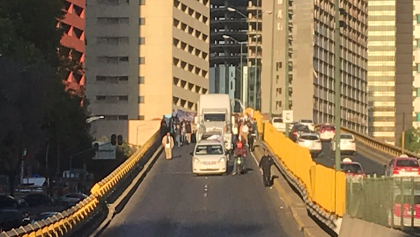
x: 278, y: 120
x: 310, y: 137
x: 352, y: 168
x: 408, y: 199
x: 306, y: 121
x: 407, y: 163
x: 215, y: 117
x: 346, y: 136
x: 209, y: 150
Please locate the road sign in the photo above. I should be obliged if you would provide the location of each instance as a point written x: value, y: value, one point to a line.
x: 106, y: 151
x: 287, y: 116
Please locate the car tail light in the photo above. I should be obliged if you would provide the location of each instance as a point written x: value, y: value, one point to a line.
x: 396, y: 171
x: 322, y: 130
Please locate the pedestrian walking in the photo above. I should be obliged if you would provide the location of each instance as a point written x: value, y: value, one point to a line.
x: 189, y: 131
x: 265, y: 167
x: 177, y: 134
x: 168, y: 145
x: 183, y: 132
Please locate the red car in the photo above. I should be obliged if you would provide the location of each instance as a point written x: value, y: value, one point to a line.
x: 352, y: 169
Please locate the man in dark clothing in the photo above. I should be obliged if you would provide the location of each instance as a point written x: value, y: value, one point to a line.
x: 188, y: 128
x: 265, y: 166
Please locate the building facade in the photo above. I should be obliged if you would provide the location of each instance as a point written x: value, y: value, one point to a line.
x: 228, y: 48
x: 390, y: 68
x: 311, y: 61
x: 145, y: 59
x: 416, y: 64
x: 73, y: 39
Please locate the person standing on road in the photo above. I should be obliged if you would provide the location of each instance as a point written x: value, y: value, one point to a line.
x: 265, y: 166
x: 168, y: 145
x: 189, y: 131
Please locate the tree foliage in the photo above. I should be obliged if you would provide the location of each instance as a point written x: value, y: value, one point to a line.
x: 412, y: 140
x: 34, y: 107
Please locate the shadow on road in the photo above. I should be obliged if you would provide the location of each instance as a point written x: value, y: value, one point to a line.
x: 167, y: 227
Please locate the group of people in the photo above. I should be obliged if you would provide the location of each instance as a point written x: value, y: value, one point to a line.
x: 179, y: 133
x: 176, y: 133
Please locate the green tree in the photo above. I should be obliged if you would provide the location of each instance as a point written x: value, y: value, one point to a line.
x: 412, y: 140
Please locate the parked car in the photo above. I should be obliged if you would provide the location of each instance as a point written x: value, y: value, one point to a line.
x: 326, y: 132
x: 12, y: 218
x: 72, y: 199
x: 38, y: 199
x: 43, y: 216
x: 297, y: 130
x: 403, y: 166
x: 9, y: 202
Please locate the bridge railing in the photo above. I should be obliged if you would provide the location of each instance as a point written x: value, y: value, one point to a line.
x: 378, y: 145
x: 73, y: 218
x: 323, y: 189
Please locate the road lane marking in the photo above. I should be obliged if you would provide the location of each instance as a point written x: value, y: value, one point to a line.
x: 205, y: 190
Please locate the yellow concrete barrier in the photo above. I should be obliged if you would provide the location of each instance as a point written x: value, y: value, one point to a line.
x: 324, y: 186
x: 64, y: 222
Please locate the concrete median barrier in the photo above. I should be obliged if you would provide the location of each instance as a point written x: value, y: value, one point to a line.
x: 352, y: 227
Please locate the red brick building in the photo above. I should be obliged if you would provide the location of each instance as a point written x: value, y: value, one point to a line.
x: 74, y: 38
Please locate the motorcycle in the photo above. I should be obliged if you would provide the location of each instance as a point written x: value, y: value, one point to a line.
x: 239, y: 165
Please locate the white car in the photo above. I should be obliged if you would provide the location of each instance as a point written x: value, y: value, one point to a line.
x: 278, y: 124
x: 309, y: 123
x: 209, y: 157
x: 312, y: 142
x: 326, y: 132
x: 72, y: 199
x: 347, y: 143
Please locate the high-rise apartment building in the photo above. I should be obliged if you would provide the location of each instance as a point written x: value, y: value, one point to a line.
x: 311, y: 65
x: 73, y: 39
x: 416, y: 71
x: 144, y: 59
x: 228, y: 47
x: 390, y: 68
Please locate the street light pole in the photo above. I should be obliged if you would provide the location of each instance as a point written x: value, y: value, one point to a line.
x: 272, y: 61
x: 256, y: 59
x: 286, y: 66
x: 337, y: 77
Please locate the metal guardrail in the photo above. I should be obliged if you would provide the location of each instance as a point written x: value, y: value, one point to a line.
x: 65, y: 222
x: 378, y: 145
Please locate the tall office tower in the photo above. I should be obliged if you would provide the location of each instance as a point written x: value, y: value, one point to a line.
x: 228, y: 36
x: 144, y: 59
x: 416, y: 71
x: 73, y: 39
x: 390, y: 68
x: 311, y: 64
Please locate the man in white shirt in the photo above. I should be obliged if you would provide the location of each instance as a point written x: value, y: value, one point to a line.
x: 245, y: 131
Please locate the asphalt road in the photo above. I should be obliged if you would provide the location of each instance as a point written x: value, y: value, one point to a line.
x: 327, y: 158
x: 171, y: 201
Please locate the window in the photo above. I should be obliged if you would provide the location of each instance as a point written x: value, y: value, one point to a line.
x: 418, y: 43
x: 142, y: 40
x: 141, y: 99
x: 418, y: 67
x: 142, y: 21
x: 142, y: 2
x: 141, y: 117
x: 142, y: 60
x: 418, y: 18
x: 100, y: 78
x: 100, y: 97
x: 417, y: 117
x: 141, y: 80
x: 209, y: 150
x: 123, y: 98
x: 112, y: 20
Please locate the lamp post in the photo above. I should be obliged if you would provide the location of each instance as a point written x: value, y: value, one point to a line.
x: 241, y: 63
x: 337, y: 76
x: 286, y: 68
x: 244, y: 86
x: 94, y: 118
x: 272, y: 62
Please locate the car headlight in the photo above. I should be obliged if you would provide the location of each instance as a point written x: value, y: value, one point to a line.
x: 196, y: 160
x: 222, y: 160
